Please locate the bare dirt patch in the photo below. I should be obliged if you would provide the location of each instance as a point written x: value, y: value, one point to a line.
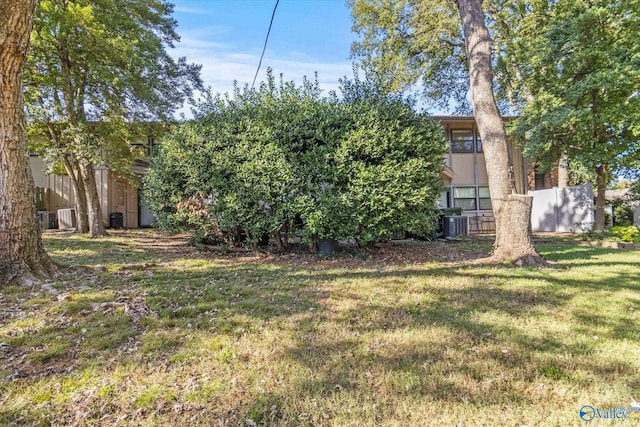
x: 392, y: 253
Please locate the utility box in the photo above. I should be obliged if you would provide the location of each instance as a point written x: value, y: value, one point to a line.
x: 47, y: 220
x: 116, y: 220
x: 441, y: 214
x: 455, y: 226
x: 67, y: 219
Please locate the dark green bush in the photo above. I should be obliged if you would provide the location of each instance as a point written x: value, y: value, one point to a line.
x: 362, y: 168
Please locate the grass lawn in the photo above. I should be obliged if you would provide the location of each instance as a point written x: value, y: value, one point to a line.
x: 160, y: 334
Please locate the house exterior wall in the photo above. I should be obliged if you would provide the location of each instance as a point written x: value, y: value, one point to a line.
x: 123, y: 198
x: 55, y: 192
x: 38, y: 170
x: 541, y: 181
x: 468, y: 187
x: 465, y: 175
x: 465, y: 167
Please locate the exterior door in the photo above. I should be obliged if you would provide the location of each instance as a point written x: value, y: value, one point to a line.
x: 131, y: 217
x: 124, y: 199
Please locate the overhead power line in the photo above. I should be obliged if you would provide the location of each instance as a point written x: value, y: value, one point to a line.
x: 264, y: 48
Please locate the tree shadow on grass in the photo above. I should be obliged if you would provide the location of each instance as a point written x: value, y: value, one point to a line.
x: 569, y: 252
x: 474, y: 362
x: 458, y: 346
x: 477, y: 352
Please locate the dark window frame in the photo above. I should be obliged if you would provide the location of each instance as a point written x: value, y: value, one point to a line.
x: 465, y: 146
x: 473, y: 199
x: 486, y: 206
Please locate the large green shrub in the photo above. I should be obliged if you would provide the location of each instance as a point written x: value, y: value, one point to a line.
x: 387, y: 166
x: 256, y: 161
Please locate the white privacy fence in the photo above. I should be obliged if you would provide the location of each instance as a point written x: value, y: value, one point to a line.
x: 563, y: 209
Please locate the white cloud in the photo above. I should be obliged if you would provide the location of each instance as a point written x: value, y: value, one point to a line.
x: 191, y: 10
x: 191, y: 43
x: 222, y: 65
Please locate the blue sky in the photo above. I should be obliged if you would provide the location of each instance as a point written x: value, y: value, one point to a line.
x: 226, y: 37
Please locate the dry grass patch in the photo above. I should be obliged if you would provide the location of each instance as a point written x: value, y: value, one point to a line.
x: 164, y: 334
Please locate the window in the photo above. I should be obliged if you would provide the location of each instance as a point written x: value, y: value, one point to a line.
x: 464, y: 197
x: 478, y: 144
x: 443, y: 202
x: 461, y: 141
x: 484, y: 199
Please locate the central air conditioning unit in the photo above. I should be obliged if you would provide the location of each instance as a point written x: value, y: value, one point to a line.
x: 455, y: 226
x: 47, y: 220
x: 67, y: 219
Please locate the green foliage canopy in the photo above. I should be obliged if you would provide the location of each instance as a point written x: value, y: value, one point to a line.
x: 106, y: 60
x: 407, y: 41
x: 583, y: 73
x: 584, y: 68
x: 98, y: 72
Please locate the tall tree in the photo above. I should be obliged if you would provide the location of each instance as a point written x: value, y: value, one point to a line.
x: 96, y: 68
x: 22, y: 255
x: 584, y: 66
x: 406, y: 40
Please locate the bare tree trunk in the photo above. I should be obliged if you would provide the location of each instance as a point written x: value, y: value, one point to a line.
x: 22, y: 255
x: 602, y: 173
x: 82, y: 217
x: 71, y: 166
x: 512, y: 211
x: 278, y: 239
x: 282, y: 243
x: 563, y: 171
x: 82, y: 223
x: 96, y: 225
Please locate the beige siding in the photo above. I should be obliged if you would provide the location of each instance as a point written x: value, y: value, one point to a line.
x: 55, y: 192
x: 124, y: 199
x: 40, y: 178
x: 463, y: 165
x: 62, y: 193
x: 481, y: 169
x: 131, y: 221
